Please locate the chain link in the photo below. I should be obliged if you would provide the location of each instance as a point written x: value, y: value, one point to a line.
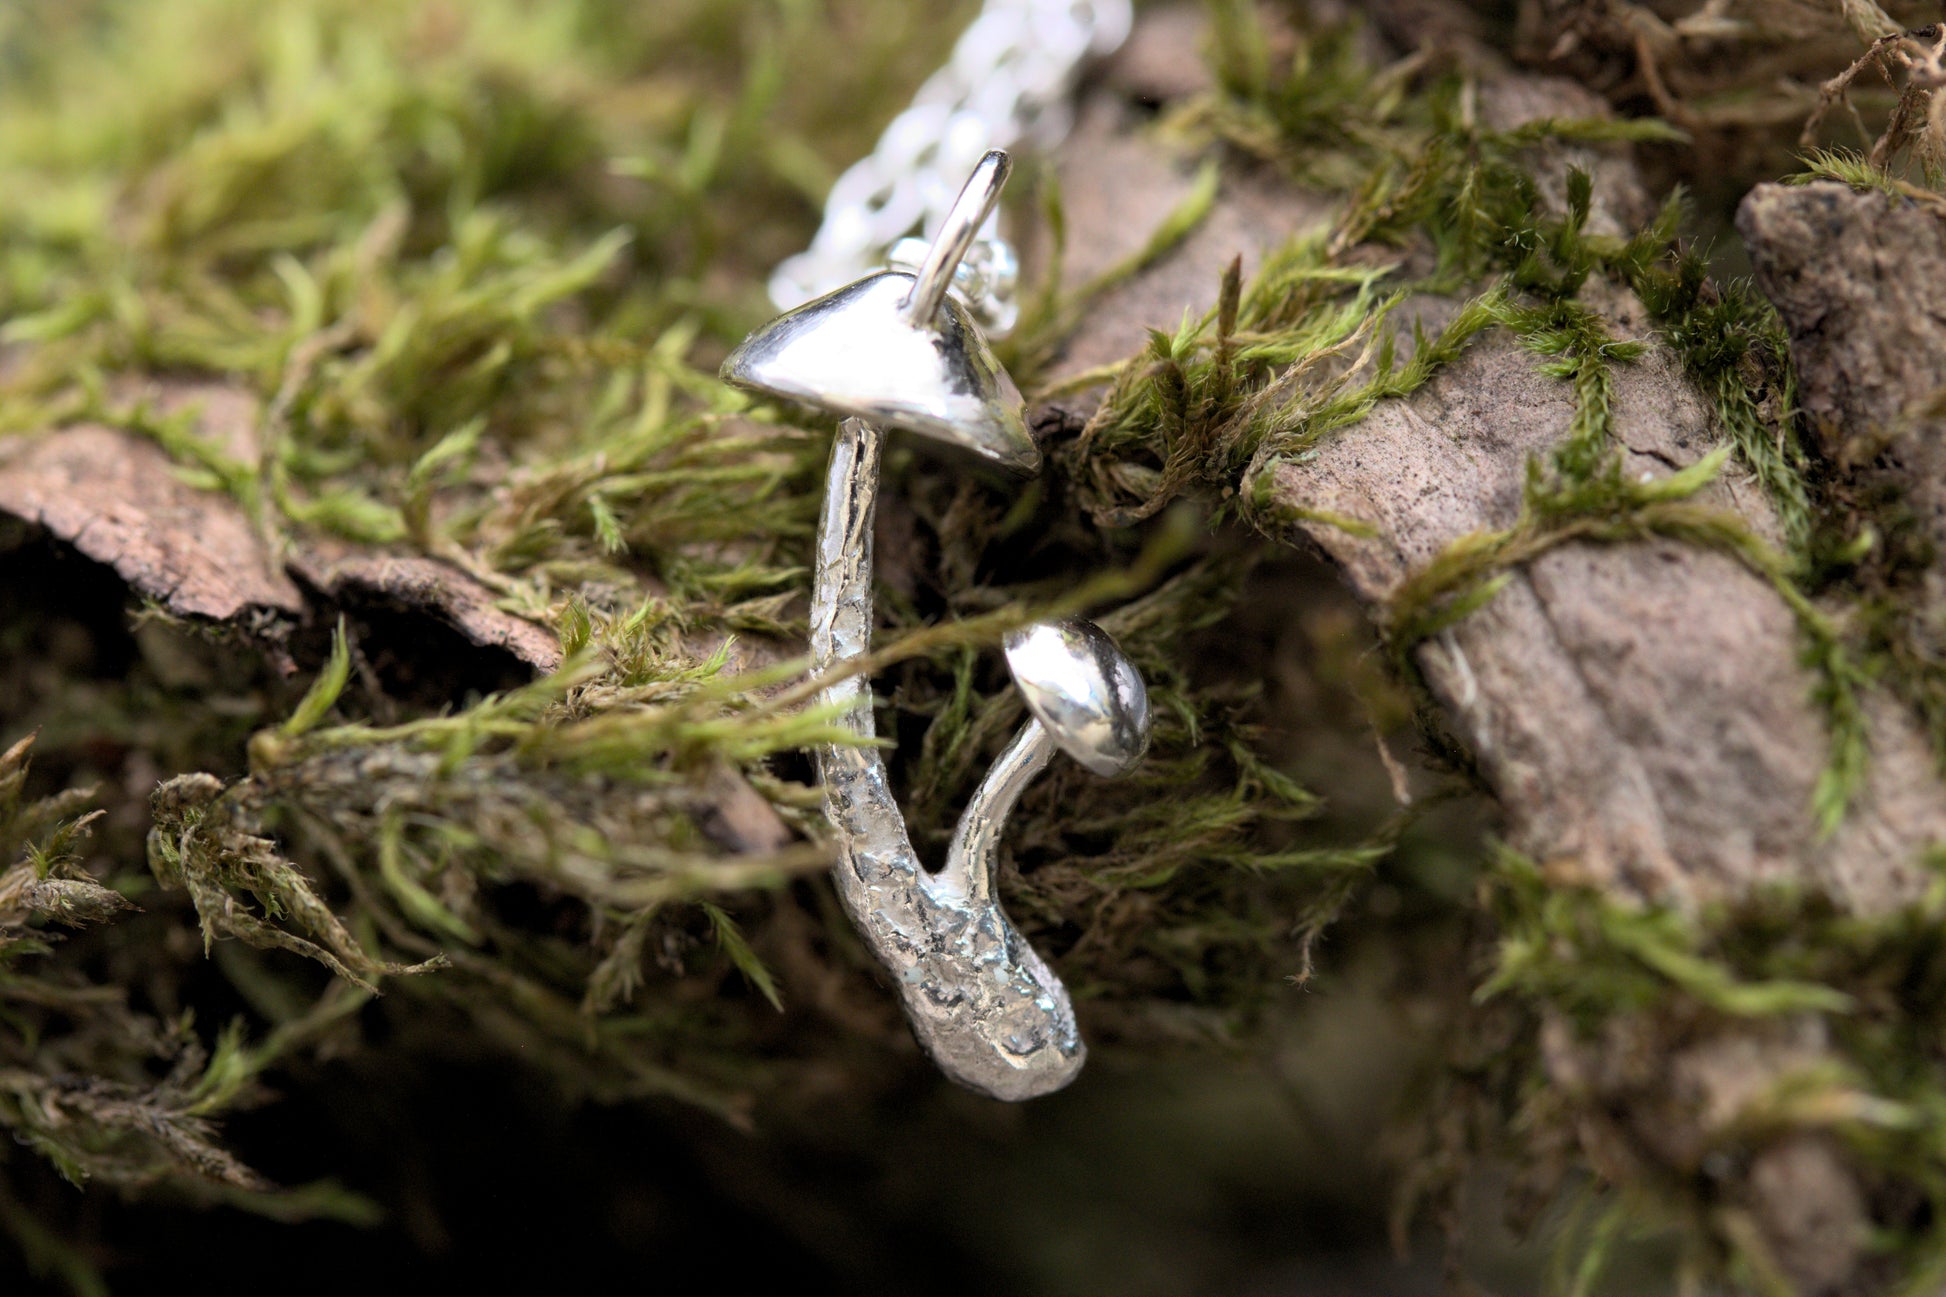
x: 1008, y: 83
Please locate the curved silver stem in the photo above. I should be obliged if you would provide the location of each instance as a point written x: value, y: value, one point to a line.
x: 962, y: 225
x: 981, y: 1002
x: 976, y: 842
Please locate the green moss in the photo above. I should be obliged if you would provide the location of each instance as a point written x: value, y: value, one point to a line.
x: 1309, y: 347
x: 475, y: 266
x: 1632, y: 983
x: 1214, y: 407
x: 1848, y: 168
x: 476, y: 271
x: 102, y: 1090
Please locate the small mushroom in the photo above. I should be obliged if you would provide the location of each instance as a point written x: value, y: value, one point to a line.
x: 898, y: 351
x: 894, y: 349
x: 1083, y: 689
x: 1085, y: 698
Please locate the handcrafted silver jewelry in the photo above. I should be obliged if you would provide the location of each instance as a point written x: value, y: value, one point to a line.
x: 902, y: 348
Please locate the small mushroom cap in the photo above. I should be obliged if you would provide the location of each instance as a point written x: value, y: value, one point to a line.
x: 853, y: 353
x: 1083, y: 689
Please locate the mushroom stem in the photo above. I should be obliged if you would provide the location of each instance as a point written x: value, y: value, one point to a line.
x: 841, y: 602
x: 982, y: 1003
x: 976, y: 842
x: 955, y: 238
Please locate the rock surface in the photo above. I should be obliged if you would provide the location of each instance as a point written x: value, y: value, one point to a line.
x: 1858, y: 279
x: 1640, y: 710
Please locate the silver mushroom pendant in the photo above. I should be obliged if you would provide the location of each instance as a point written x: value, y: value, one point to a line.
x: 898, y: 350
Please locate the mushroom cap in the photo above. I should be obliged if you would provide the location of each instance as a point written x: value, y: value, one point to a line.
x: 1083, y: 689
x: 853, y: 353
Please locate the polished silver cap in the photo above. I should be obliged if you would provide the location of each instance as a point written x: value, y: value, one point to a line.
x: 856, y: 352
x: 897, y: 349
x: 1083, y: 689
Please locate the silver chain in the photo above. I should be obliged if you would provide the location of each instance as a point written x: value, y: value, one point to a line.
x: 1008, y: 83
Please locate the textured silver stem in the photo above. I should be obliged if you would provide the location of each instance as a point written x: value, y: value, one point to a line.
x: 981, y: 1002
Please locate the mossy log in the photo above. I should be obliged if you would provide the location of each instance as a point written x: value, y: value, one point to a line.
x: 1637, y: 693
x: 468, y: 667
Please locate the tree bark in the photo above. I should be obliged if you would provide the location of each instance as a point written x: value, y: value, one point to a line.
x: 1640, y: 711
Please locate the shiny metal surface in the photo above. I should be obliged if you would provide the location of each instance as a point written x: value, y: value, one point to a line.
x: 974, y: 852
x: 896, y: 349
x: 976, y: 202
x: 985, y: 283
x: 1084, y: 690
x: 855, y: 353
x: 981, y: 1002
x: 1008, y: 83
